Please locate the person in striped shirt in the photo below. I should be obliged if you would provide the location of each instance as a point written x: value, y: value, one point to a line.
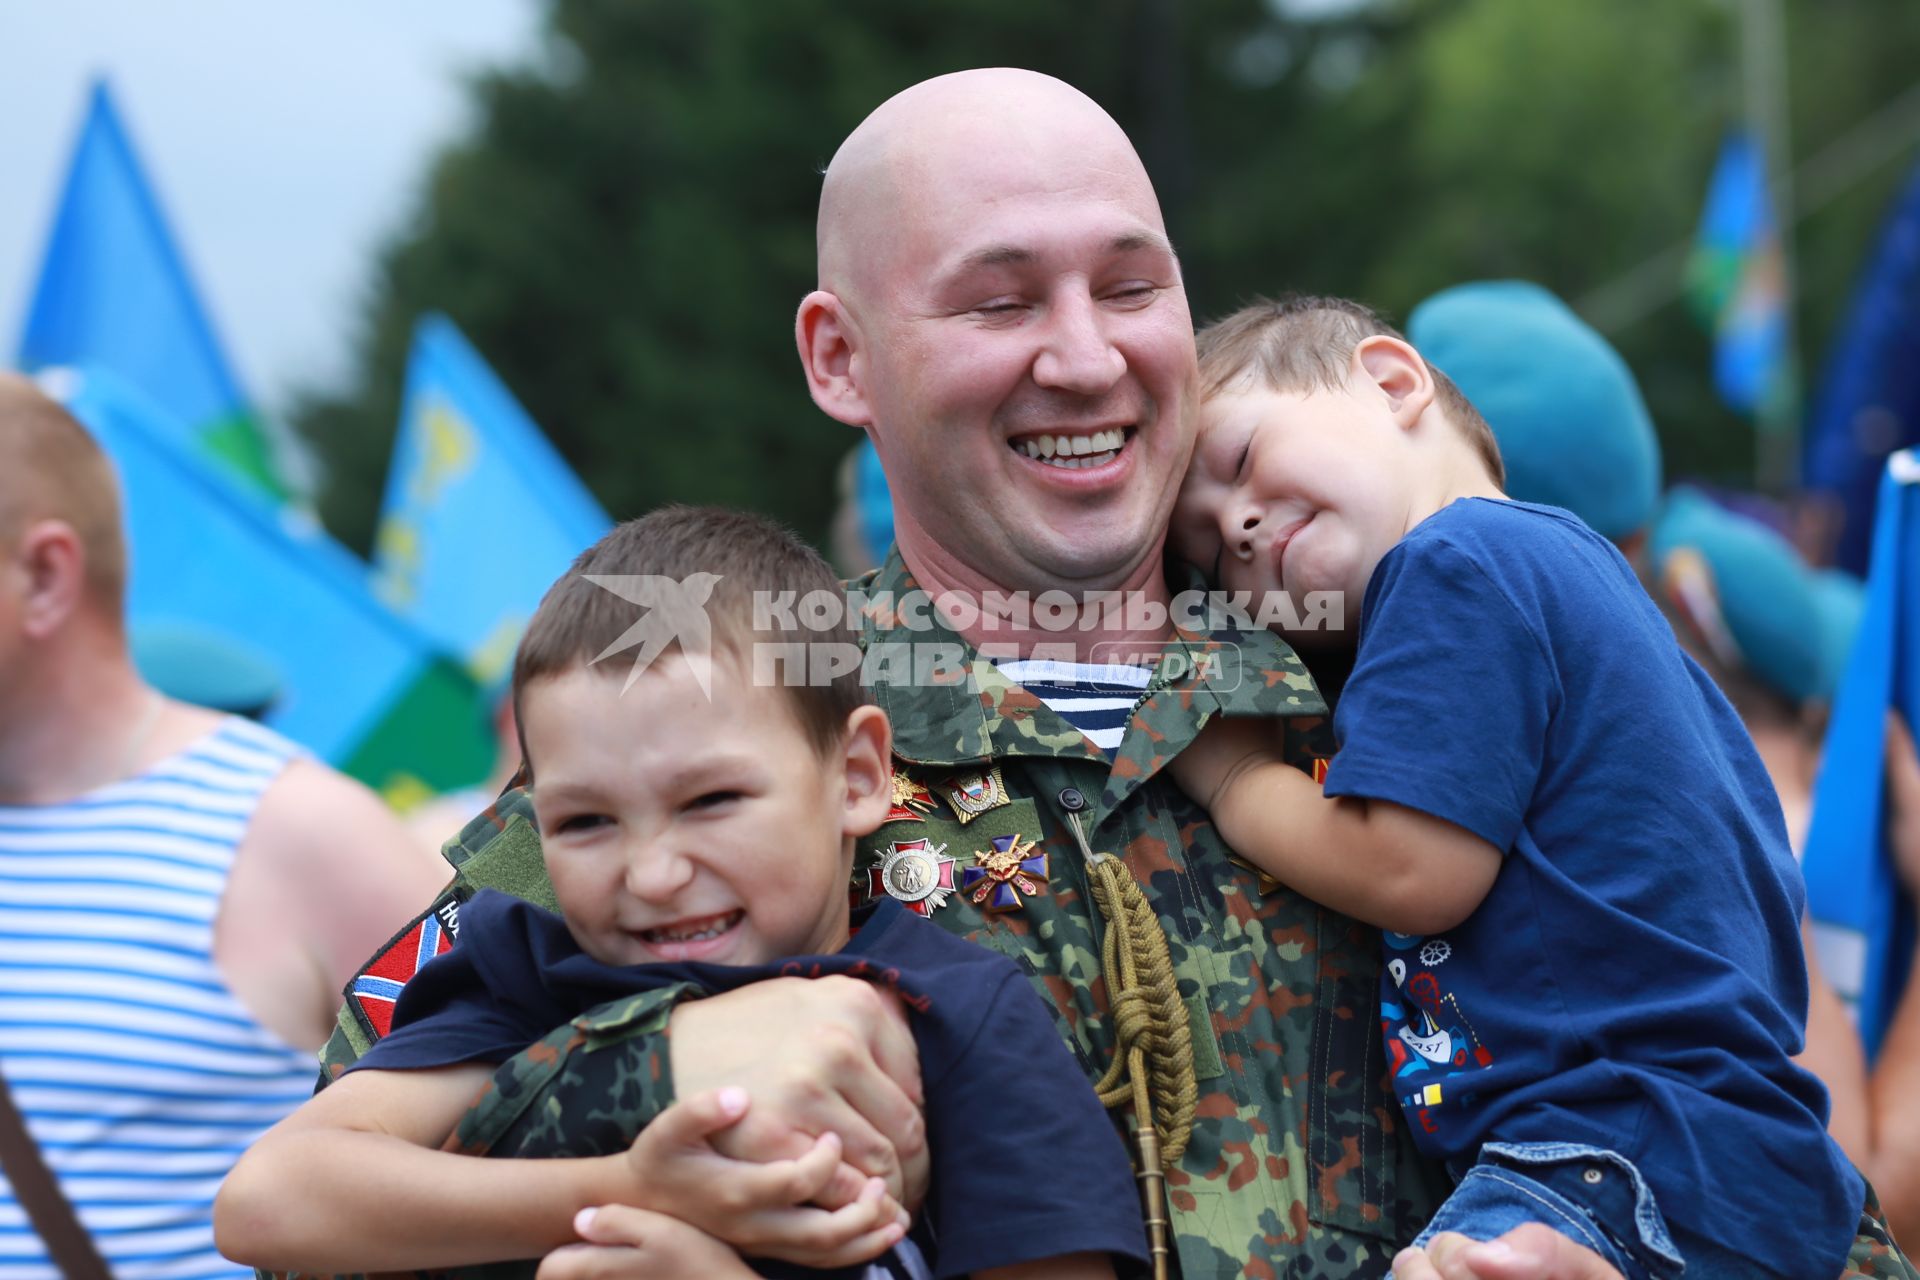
x: 182, y: 894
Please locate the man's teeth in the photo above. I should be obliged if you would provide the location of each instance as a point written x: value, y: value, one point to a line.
x: 680, y: 933
x: 1074, y: 452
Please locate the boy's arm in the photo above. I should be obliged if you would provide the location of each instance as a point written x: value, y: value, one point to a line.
x: 354, y: 1181
x: 1382, y: 863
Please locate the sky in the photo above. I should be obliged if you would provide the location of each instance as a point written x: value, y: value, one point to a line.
x: 287, y: 143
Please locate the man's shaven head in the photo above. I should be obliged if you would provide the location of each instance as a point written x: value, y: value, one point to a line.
x: 52, y: 469
x: 1305, y: 344
x: 743, y: 554
x: 995, y: 277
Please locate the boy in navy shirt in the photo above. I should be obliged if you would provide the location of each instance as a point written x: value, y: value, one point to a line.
x: 698, y: 824
x: 1592, y: 988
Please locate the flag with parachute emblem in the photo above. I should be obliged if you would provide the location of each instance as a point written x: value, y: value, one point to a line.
x: 481, y: 513
x: 358, y: 687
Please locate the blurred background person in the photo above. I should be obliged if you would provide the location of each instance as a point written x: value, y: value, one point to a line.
x: 185, y: 892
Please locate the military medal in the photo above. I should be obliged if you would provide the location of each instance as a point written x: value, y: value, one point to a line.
x: 996, y: 880
x: 913, y: 872
x: 911, y: 801
x: 973, y: 794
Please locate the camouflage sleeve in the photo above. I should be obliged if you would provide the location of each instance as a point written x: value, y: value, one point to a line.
x: 1874, y: 1255
x: 588, y: 1088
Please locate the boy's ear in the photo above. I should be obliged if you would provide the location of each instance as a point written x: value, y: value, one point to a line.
x: 1392, y: 365
x: 829, y: 345
x: 869, y: 770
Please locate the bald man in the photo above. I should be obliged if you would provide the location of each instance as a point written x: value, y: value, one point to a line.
x: 185, y: 894
x: 1000, y: 310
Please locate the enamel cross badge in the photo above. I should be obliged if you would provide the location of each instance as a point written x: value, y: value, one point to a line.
x: 997, y: 880
x: 914, y: 872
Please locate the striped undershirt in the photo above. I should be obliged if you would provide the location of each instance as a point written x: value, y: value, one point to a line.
x: 1095, y: 698
x: 141, y: 1076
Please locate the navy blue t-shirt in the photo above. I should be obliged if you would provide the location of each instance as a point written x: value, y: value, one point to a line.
x: 1634, y: 979
x: 1007, y: 1107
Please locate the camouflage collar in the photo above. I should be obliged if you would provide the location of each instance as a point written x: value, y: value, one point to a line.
x: 950, y: 707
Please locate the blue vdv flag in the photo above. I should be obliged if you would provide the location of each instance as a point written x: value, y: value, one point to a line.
x: 1863, y: 920
x: 115, y: 294
x: 1737, y: 279
x: 481, y: 513
x: 205, y: 553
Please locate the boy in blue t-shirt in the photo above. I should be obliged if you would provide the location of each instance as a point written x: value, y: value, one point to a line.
x: 697, y: 815
x: 1593, y: 988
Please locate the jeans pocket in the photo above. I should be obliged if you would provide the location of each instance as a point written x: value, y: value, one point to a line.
x: 1593, y: 1196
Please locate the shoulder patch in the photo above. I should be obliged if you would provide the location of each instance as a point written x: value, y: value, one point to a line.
x: 372, y: 994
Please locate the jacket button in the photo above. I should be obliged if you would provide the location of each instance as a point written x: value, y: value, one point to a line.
x: 1071, y: 800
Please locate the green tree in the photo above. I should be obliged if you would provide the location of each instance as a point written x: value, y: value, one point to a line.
x: 627, y: 231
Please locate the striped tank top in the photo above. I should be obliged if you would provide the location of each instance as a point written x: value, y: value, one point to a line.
x: 141, y: 1076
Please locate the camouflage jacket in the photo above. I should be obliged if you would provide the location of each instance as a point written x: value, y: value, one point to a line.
x: 1298, y: 1164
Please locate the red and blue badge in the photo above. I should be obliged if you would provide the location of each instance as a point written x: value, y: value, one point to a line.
x: 374, y: 992
x: 997, y: 879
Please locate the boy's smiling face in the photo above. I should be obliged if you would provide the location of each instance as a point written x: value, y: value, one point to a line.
x: 1296, y: 492
x: 678, y: 827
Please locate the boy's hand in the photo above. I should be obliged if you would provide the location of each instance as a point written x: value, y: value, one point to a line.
x: 1226, y: 747
x: 624, y: 1241
x: 817, y: 1055
x: 765, y: 1210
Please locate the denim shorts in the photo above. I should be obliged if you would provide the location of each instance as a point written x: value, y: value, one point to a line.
x: 1593, y: 1196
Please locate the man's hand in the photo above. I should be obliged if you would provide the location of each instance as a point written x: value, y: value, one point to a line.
x: 817, y: 1056
x: 623, y: 1241
x: 1530, y: 1252
x: 1224, y: 749
x: 762, y: 1210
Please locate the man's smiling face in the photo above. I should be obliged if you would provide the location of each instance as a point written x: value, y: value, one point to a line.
x: 1024, y: 349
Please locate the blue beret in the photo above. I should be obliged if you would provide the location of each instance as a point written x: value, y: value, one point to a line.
x: 206, y: 667
x: 1771, y: 602
x: 1573, y: 429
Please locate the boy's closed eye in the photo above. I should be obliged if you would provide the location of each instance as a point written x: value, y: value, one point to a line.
x: 715, y: 800
x: 577, y: 823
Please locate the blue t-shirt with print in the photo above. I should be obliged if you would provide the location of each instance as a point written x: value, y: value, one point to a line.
x: 1634, y: 978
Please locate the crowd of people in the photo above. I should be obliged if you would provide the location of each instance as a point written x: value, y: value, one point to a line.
x: 1453, y: 933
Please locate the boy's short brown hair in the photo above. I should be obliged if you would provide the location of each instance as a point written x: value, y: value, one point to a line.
x: 746, y: 554
x: 1298, y: 343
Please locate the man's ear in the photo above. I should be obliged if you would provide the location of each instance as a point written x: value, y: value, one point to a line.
x: 829, y: 353
x: 52, y: 569
x: 1392, y: 365
x: 869, y: 770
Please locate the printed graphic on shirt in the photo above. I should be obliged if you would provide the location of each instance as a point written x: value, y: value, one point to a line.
x: 1428, y: 1035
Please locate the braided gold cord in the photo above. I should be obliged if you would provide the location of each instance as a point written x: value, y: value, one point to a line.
x: 1150, y: 1019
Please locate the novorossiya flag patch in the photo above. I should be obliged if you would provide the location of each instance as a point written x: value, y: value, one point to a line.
x: 374, y: 992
